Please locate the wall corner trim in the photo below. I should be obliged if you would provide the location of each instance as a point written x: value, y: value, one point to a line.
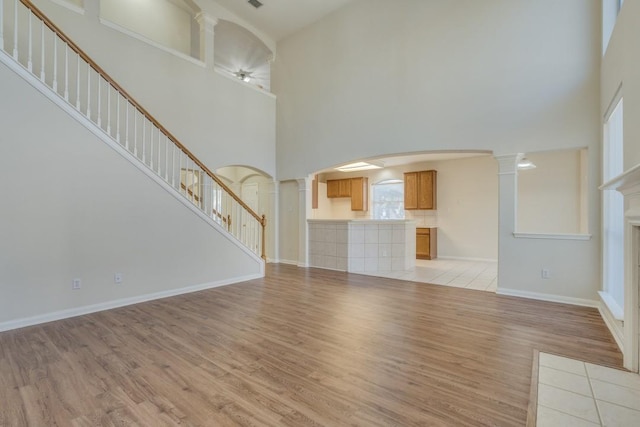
x: 615, y: 326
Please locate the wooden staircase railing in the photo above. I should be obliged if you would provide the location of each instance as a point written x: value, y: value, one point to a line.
x: 36, y: 43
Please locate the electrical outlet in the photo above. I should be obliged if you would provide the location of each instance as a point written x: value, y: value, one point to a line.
x: 117, y: 278
x: 76, y: 284
x: 545, y: 273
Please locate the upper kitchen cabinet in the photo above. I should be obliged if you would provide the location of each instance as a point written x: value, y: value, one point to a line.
x: 355, y: 188
x: 359, y: 194
x: 338, y: 188
x: 420, y: 190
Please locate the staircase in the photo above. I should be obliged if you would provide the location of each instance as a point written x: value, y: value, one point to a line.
x: 40, y: 52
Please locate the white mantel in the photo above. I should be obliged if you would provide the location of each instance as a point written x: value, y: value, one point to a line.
x: 628, y: 183
x: 361, y: 245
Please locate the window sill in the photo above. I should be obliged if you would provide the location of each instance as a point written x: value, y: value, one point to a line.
x: 551, y: 236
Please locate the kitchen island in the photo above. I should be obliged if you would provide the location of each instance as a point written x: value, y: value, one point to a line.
x: 359, y: 246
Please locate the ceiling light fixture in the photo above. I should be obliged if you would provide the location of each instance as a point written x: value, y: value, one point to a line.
x: 360, y: 166
x: 525, y: 164
x: 243, y: 75
x: 255, y: 3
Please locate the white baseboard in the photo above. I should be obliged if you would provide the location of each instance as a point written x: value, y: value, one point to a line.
x: 548, y: 297
x: 93, y: 308
x: 460, y: 258
x: 615, y: 326
x: 288, y: 262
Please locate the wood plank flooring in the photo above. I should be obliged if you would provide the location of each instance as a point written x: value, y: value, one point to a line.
x: 301, y: 347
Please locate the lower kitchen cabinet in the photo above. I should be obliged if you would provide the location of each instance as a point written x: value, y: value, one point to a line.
x: 426, y: 243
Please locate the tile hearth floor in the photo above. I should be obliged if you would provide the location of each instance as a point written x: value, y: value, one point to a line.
x: 575, y: 393
x: 479, y: 275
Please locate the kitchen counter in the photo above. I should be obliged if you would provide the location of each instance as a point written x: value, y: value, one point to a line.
x: 362, y: 245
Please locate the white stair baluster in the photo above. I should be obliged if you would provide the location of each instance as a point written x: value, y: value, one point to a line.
x: 30, y: 40
x: 135, y: 132
x: 186, y: 176
x: 126, y: 125
x: 55, y: 62
x: 173, y: 165
x: 118, y: 116
x: 88, y: 91
x: 144, y: 139
x: 166, y: 158
x: 78, y: 83
x: 66, y: 72
x: 42, y: 51
x: 180, y: 171
x: 99, y: 118
x: 15, y: 30
x: 109, y: 108
x: 1, y: 24
x: 151, y: 146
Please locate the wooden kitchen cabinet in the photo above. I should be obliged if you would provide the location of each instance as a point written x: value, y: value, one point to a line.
x: 420, y: 190
x: 333, y: 188
x: 356, y: 188
x: 359, y: 194
x: 426, y: 243
x: 314, y: 192
x: 338, y: 188
x: 345, y: 187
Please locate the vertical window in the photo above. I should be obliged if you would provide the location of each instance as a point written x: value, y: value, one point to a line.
x: 613, y: 209
x: 388, y: 199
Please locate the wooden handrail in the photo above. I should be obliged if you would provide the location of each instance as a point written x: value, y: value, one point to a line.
x: 133, y: 102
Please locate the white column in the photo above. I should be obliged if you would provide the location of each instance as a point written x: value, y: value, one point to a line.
x: 207, y: 36
x: 273, y: 228
x: 507, y: 208
x: 304, y: 212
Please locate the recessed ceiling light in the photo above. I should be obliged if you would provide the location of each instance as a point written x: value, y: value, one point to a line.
x: 360, y: 166
x: 255, y: 3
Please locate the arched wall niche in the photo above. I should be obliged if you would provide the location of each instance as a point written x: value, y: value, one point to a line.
x: 237, y: 50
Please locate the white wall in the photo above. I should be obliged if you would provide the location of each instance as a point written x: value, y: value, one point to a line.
x: 380, y: 77
x: 159, y: 20
x: 74, y: 208
x: 467, y: 207
x: 467, y: 214
x: 550, y: 196
x: 220, y: 119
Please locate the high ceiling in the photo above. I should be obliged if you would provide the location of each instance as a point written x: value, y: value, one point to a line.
x: 281, y: 18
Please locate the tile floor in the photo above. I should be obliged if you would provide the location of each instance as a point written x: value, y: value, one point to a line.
x: 479, y: 275
x: 575, y: 393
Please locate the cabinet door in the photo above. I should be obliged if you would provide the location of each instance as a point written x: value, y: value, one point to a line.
x: 423, y: 243
x: 333, y: 188
x: 411, y: 190
x: 359, y: 194
x: 427, y: 190
x: 345, y: 187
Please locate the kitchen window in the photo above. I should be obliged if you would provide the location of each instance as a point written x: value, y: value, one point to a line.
x: 388, y: 199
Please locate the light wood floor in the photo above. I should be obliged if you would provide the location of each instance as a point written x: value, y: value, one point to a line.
x: 300, y: 347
